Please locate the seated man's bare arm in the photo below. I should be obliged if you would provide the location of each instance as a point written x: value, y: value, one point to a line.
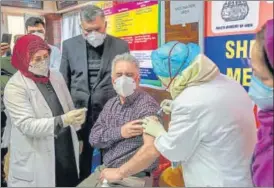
x: 142, y: 160
x: 145, y: 156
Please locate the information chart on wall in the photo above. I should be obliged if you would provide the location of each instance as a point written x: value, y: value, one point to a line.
x: 137, y: 23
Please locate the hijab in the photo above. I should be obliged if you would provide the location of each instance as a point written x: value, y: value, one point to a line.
x: 269, y: 42
x: 24, y: 49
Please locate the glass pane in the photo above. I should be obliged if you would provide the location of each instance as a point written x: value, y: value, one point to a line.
x: 15, y: 26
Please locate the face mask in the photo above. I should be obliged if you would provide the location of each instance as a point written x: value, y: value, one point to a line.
x: 124, y: 86
x: 261, y: 94
x: 95, y: 39
x: 40, y: 68
x: 41, y: 35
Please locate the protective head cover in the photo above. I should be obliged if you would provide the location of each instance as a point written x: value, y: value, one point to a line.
x: 269, y: 41
x: 24, y: 48
x: 178, y: 66
x: 260, y: 93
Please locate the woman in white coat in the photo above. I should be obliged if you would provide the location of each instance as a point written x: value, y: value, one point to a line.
x: 44, y: 149
x: 212, y: 131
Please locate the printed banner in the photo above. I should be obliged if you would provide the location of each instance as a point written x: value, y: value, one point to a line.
x: 137, y: 23
x: 232, y: 55
x: 230, y: 29
x: 184, y: 12
x: 134, y: 18
x: 236, y: 17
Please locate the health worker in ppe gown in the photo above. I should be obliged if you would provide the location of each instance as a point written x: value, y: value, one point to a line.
x: 212, y: 131
x: 261, y: 92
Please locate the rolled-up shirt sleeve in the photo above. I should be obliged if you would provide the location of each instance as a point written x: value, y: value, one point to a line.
x: 149, y: 108
x: 182, y: 138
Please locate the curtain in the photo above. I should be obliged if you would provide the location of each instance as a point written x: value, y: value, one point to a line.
x: 70, y: 25
x: 53, y: 29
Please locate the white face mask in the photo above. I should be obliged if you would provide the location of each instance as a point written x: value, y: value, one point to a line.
x: 95, y: 39
x: 41, y: 35
x: 40, y: 68
x: 124, y: 86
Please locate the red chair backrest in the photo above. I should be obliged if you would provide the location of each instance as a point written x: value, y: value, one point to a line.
x: 256, y: 117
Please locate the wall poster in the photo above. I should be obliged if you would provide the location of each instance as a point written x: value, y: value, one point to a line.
x: 183, y: 12
x: 230, y: 31
x: 137, y: 23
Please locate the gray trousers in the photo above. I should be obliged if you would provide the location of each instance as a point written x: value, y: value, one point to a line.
x: 93, y: 180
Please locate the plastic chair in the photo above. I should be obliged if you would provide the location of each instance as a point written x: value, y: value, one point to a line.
x: 165, y: 176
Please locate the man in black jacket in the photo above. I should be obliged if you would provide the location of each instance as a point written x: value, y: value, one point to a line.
x: 86, y: 67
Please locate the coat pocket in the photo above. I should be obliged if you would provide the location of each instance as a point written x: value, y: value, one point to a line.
x: 21, y: 178
x: 21, y: 169
x: 22, y: 175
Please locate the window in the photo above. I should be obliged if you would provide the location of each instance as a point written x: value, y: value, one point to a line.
x: 16, y: 26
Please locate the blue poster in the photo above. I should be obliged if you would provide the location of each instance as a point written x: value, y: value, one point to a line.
x: 149, y: 78
x: 232, y: 55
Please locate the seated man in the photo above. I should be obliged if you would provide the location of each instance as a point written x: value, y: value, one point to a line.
x: 118, y: 129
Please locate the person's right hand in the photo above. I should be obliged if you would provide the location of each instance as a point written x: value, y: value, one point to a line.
x: 112, y: 175
x: 132, y: 129
x: 166, y: 106
x: 75, y: 117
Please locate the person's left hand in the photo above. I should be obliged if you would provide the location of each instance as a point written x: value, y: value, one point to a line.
x: 111, y: 175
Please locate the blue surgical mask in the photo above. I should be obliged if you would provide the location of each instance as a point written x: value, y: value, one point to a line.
x: 261, y: 94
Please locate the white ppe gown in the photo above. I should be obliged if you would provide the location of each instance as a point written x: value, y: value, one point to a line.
x: 212, y: 133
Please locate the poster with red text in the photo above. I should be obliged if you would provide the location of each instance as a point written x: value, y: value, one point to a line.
x: 137, y: 23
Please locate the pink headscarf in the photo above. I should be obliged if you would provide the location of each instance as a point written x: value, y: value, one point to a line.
x: 269, y: 41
